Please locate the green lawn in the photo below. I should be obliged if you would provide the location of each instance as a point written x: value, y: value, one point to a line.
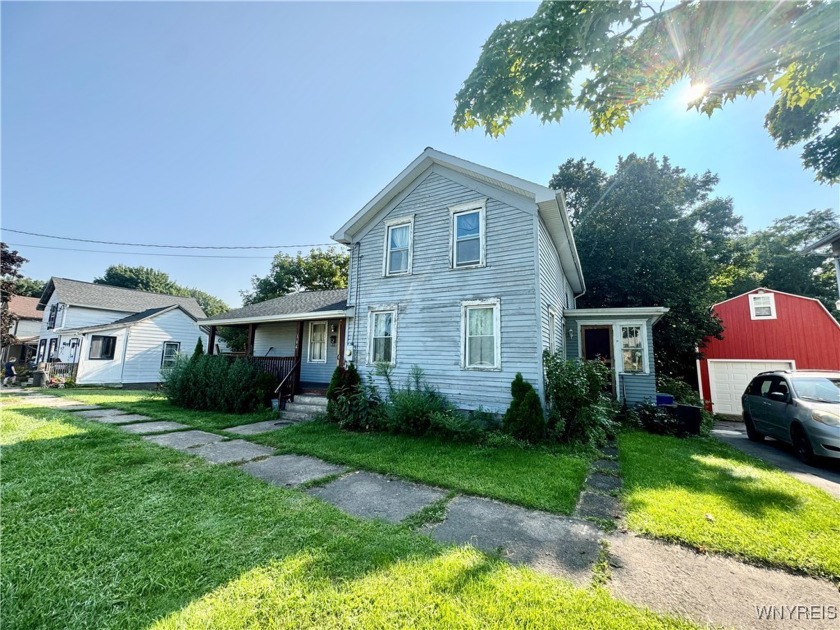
x: 538, y: 478
x: 756, y: 512
x: 101, y: 529
x: 156, y: 406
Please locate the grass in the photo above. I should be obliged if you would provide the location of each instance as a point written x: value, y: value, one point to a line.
x: 709, y: 496
x: 102, y: 529
x: 540, y: 478
x: 156, y: 406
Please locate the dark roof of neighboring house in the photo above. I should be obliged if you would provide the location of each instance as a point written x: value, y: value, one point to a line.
x: 24, y: 307
x: 103, y: 296
x: 305, y: 302
x: 126, y: 321
x: 828, y: 239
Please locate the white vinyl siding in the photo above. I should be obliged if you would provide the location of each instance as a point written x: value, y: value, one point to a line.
x: 762, y: 306
x: 481, y: 342
x: 398, y: 247
x: 317, y: 342
x: 170, y: 354
x: 468, y: 230
x: 383, y: 336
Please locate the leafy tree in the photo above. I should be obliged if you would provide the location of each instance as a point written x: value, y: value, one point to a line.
x: 643, y: 243
x: 10, y: 262
x: 632, y: 52
x: 582, y: 184
x: 317, y: 271
x: 775, y: 260
x: 29, y: 287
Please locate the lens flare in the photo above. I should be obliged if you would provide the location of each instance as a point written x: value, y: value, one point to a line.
x: 694, y: 92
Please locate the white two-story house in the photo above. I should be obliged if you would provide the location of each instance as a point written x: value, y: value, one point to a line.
x: 103, y: 335
x: 465, y: 271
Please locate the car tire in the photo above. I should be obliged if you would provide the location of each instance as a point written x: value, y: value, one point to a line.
x: 802, y: 446
x: 753, y: 434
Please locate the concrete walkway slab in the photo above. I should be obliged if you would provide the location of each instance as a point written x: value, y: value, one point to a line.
x: 602, y: 482
x: 76, y: 407
x: 183, y: 440
x: 712, y: 589
x: 232, y: 452
x: 291, y: 470
x: 153, y: 427
x: 256, y: 428
x: 127, y: 418
x: 101, y: 413
x: 369, y: 495
x: 601, y: 506
x: 549, y: 543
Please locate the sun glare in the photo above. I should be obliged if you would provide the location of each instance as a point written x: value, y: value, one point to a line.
x: 694, y: 92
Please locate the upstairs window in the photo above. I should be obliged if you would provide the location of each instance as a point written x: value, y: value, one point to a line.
x: 382, y: 337
x: 52, y: 317
x: 102, y: 348
x: 632, y: 349
x: 170, y: 354
x: 762, y: 306
x: 398, y: 247
x: 468, y: 235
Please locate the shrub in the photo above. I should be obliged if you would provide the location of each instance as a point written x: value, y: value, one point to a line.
x: 215, y: 383
x: 456, y: 426
x: 344, y: 383
x: 410, y: 407
x: 199, y: 349
x: 524, y: 418
x: 357, y: 407
x: 578, y: 409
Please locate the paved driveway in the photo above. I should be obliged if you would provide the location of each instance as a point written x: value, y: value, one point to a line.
x: 825, y: 476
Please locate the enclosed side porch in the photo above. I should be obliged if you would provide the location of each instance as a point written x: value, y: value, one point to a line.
x: 623, y: 339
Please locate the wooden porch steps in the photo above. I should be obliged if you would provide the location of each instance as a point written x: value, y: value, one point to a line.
x: 304, y: 408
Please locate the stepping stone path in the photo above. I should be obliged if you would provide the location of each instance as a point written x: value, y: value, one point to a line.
x: 369, y: 495
x: 666, y: 578
x: 291, y: 470
x: 259, y: 427
x: 232, y: 452
x: 152, y: 427
x: 557, y: 545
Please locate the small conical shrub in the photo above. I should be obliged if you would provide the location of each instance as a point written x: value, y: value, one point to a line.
x: 524, y: 419
x: 199, y: 349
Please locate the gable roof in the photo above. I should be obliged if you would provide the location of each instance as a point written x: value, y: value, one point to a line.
x: 302, y: 305
x: 550, y: 205
x: 766, y: 290
x: 106, y: 297
x: 130, y: 320
x: 24, y: 307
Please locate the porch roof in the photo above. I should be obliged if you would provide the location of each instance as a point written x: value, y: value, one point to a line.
x: 636, y: 312
x: 296, y: 306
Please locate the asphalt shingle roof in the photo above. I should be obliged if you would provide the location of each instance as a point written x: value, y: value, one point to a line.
x: 24, y: 307
x: 78, y: 293
x: 294, y: 304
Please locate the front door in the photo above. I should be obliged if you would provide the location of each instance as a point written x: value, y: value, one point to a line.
x: 51, y: 350
x: 597, y: 344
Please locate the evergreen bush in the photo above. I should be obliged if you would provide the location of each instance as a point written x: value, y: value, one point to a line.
x: 215, y: 383
x: 524, y: 419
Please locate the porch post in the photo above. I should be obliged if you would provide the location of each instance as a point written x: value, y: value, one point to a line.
x: 341, y: 326
x: 249, y: 346
x: 211, y: 341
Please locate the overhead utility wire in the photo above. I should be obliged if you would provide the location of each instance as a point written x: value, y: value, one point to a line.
x: 87, y: 240
x: 103, y: 251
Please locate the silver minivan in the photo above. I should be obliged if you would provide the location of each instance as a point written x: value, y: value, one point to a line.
x: 800, y: 408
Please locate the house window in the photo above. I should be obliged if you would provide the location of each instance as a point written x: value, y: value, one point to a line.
x: 480, y: 340
x: 170, y: 354
x: 382, y: 337
x: 762, y: 306
x: 52, y: 317
x: 468, y: 235
x: 102, y: 347
x: 552, y: 331
x: 318, y: 342
x: 398, y: 248
x: 632, y: 349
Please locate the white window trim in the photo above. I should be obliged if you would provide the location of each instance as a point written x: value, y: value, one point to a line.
x: 479, y: 205
x: 378, y: 310
x: 312, y: 324
x: 772, y: 314
x: 163, y: 351
x: 552, y: 330
x: 642, y: 338
x: 392, y: 223
x: 495, y: 303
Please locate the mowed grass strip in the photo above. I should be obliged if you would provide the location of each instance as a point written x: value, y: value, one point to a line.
x: 706, y: 494
x: 155, y: 406
x: 547, y: 479
x: 103, y: 530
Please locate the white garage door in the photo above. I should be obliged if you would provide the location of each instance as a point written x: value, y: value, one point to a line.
x: 729, y: 379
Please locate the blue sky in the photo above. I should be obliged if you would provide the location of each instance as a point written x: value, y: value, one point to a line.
x: 272, y: 123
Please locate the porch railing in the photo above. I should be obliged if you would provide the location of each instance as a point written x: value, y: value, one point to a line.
x: 285, y: 369
x: 66, y: 371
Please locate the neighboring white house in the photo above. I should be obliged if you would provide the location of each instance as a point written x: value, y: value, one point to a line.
x: 24, y: 329
x: 109, y: 335
x: 465, y: 271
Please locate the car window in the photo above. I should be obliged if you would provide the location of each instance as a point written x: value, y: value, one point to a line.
x: 818, y: 389
x: 778, y: 386
x: 764, y: 387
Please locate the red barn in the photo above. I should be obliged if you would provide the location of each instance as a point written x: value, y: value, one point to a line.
x: 764, y: 330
